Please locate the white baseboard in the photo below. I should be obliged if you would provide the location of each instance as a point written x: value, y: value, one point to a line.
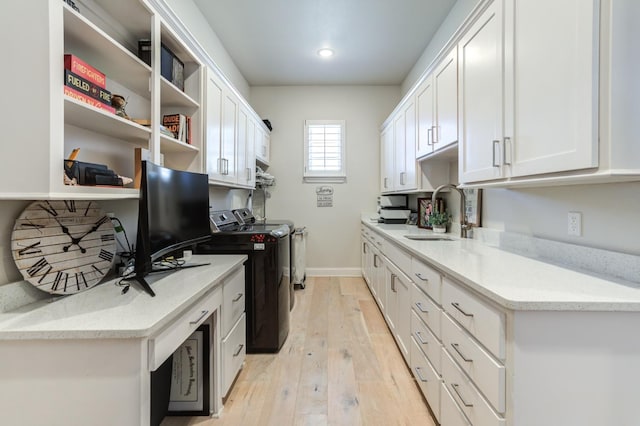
x: 334, y: 272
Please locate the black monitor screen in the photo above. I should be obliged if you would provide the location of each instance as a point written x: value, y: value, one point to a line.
x: 177, y: 208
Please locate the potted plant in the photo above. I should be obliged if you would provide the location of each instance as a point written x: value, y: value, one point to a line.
x: 439, y: 221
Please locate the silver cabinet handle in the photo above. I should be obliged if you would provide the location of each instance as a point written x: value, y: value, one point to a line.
x: 422, y: 309
x: 202, y: 315
x: 420, y: 339
x: 238, y: 297
x: 430, y: 136
x: 419, y: 275
x: 436, y: 134
x: 495, y: 142
x: 238, y: 351
x: 457, y: 306
x: 418, y: 369
x: 248, y: 173
x: 507, y: 142
x: 393, y: 283
x: 402, y: 176
x: 385, y: 182
x: 226, y: 166
x: 375, y: 260
x: 364, y: 248
x: 454, y: 386
x: 464, y: 358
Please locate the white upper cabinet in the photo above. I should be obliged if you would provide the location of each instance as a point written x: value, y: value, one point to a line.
x: 404, y: 125
x: 480, y: 59
x: 551, y: 89
x: 529, y: 98
x: 232, y: 133
x: 387, y: 159
x: 437, y: 100
x: 263, y: 144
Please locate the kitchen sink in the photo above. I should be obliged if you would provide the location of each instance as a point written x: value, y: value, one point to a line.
x: 428, y: 238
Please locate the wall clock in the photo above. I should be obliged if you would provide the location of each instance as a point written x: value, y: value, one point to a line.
x: 63, y: 247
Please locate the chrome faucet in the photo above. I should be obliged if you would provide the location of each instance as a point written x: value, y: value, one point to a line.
x: 464, y: 225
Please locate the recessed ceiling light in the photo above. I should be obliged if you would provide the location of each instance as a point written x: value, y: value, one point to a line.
x: 325, y: 52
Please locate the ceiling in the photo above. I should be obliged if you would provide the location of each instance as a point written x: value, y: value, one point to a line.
x: 275, y: 42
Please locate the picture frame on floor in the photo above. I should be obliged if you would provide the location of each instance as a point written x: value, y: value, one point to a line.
x: 190, y: 375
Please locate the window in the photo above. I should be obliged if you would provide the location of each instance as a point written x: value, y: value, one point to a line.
x: 324, y: 149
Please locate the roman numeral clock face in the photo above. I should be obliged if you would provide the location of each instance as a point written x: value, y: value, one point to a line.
x: 63, y: 247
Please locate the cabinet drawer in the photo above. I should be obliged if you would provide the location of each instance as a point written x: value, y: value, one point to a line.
x: 484, y: 322
x: 233, y: 300
x: 487, y: 374
x: 426, y: 309
x: 427, y: 278
x: 428, y: 379
x: 426, y: 341
x: 168, y: 340
x: 465, y: 394
x: 450, y: 413
x: 234, y: 351
x: 398, y: 256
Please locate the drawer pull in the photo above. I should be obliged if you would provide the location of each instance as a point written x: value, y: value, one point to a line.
x: 454, y: 386
x: 422, y: 379
x: 464, y: 358
x: 422, y: 309
x: 202, y: 315
x: 419, y: 275
x: 238, y: 351
x: 238, y: 297
x: 457, y: 306
x: 420, y: 339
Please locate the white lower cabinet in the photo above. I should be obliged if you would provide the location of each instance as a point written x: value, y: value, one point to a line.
x: 234, y: 319
x: 467, y: 396
x: 234, y: 351
x: 450, y: 413
x: 427, y: 378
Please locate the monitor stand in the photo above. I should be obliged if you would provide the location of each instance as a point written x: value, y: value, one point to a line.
x: 144, y: 284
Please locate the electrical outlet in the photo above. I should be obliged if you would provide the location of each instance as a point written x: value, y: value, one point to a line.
x: 574, y: 224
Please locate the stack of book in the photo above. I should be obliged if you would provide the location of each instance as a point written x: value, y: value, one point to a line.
x: 179, y: 125
x: 85, y: 83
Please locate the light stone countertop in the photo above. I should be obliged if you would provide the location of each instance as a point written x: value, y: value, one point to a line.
x: 514, y: 281
x: 104, y: 312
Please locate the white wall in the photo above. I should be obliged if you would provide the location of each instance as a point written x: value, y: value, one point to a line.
x: 334, y: 232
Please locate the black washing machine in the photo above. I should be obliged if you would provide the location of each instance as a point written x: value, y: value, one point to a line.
x: 245, y: 216
x: 267, y: 275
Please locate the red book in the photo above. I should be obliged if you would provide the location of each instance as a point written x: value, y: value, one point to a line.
x: 73, y: 93
x: 84, y: 70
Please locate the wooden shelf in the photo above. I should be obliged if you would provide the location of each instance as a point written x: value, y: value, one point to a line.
x: 85, y: 116
x: 172, y: 145
x: 171, y: 96
x: 94, y: 46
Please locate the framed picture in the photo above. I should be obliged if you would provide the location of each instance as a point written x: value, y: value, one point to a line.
x: 473, y: 206
x: 424, y: 211
x: 190, y: 376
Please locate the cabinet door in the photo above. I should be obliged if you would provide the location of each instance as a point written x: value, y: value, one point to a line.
x: 262, y: 145
x: 480, y: 83
x: 403, y: 320
x: 213, y: 133
x: 551, y: 86
x: 391, y: 298
x: 404, y: 125
x: 229, y: 137
x: 387, y: 159
x: 245, y: 149
x: 445, y: 82
x: 424, y: 101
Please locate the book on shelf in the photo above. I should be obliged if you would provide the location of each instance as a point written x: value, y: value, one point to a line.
x: 178, y: 124
x: 171, y: 67
x: 188, y: 130
x: 144, y: 50
x: 84, y: 70
x: 90, y: 89
x: 73, y: 93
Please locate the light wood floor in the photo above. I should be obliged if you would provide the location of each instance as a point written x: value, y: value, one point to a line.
x: 339, y: 366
